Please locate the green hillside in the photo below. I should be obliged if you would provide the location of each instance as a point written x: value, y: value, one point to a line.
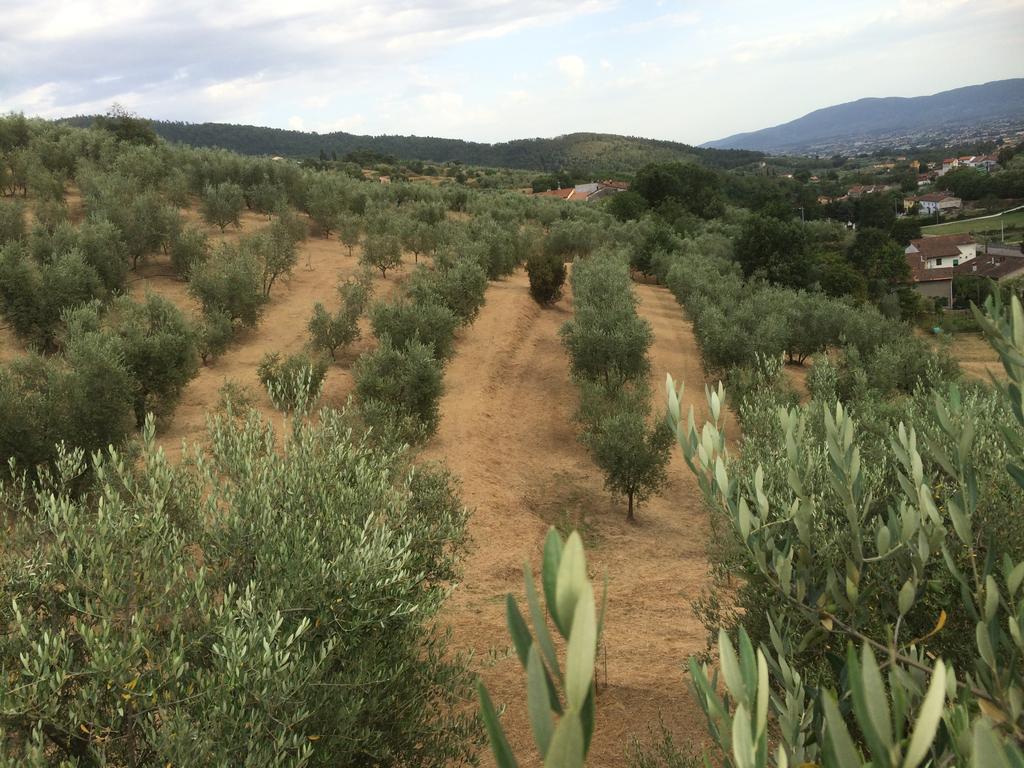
x: 587, y: 153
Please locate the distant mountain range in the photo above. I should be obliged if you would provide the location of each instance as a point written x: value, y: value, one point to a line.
x: 959, y: 115
x: 586, y: 153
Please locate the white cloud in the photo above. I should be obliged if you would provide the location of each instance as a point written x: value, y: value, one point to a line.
x: 296, y: 123
x: 573, y: 68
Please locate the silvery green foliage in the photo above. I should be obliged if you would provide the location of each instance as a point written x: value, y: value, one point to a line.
x: 897, y: 705
x: 252, y: 606
x: 560, y: 701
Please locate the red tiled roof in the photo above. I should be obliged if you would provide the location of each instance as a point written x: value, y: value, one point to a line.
x: 994, y: 267
x: 937, y: 197
x: 565, y: 194
x: 940, y: 247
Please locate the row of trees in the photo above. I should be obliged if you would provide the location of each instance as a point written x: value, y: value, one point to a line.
x: 607, y: 342
x: 399, y: 383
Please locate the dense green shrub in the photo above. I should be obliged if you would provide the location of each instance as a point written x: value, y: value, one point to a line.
x: 190, y: 248
x: 404, y: 321
x: 401, y: 382
x: 154, y: 341
x: 382, y: 251
x: 293, y: 383
x: 276, y: 605
x: 33, y: 296
x: 12, y: 221
x: 222, y: 204
x: 546, y: 272
x: 230, y: 282
x: 606, y: 339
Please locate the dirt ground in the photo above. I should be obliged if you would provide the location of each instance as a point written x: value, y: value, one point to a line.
x: 507, y: 432
x: 977, y: 358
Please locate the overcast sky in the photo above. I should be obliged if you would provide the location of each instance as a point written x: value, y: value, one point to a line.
x: 493, y: 70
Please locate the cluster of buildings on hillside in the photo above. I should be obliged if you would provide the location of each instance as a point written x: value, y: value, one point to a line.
x: 935, y: 261
x: 984, y: 163
x: 595, y: 190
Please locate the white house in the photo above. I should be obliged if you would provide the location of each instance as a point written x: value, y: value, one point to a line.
x: 939, y: 202
x: 934, y: 261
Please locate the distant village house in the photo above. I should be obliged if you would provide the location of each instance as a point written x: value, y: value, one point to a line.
x: 935, y: 261
x: 942, y: 203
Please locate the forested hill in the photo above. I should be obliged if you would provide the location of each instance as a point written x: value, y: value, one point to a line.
x: 587, y: 152
x: 918, y: 119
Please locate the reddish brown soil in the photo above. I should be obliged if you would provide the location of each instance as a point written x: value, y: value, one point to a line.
x: 507, y: 432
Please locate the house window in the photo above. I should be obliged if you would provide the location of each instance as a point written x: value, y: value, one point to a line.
x: 938, y: 262
x: 956, y: 262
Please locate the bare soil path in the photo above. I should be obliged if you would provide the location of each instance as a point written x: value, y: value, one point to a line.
x: 507, y: 433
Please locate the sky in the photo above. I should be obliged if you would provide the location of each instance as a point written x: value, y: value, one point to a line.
x: 494, y: 70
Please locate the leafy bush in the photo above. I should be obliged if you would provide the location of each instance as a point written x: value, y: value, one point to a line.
x: 405, y: 321
x: 33, y: 296
x: 222, y: 204
x: 142, y: 610
x: 401, y: 381
x: 547, y: 276
x: 12, y: 221
x: 329, y: 332
x: 190, y: 248
x: 213, y: 335
x: 230, y: 282
x: 293, y: 383
x: 382, y: 251
x: 458, y: 285
x: 154, y: 341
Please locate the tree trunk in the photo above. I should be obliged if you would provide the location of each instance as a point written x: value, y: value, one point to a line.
x: 629, y: 510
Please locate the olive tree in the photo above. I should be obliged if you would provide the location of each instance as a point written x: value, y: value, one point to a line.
x: 458, y: 285
x: 546, y: 272
x: 329, y: 332
x: 155, y: 342
x: 382, y: 251
x: 403, y: 321
x: 275, y: 605
x: 12, y: 221
x: 222, y: 204
x: 632, y: 454
x: 405, y: 381
x: 230, y: 282
x: 293, y: 383
x: 189, y: 249
x: 350, y: 228
x: 33, y: 296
